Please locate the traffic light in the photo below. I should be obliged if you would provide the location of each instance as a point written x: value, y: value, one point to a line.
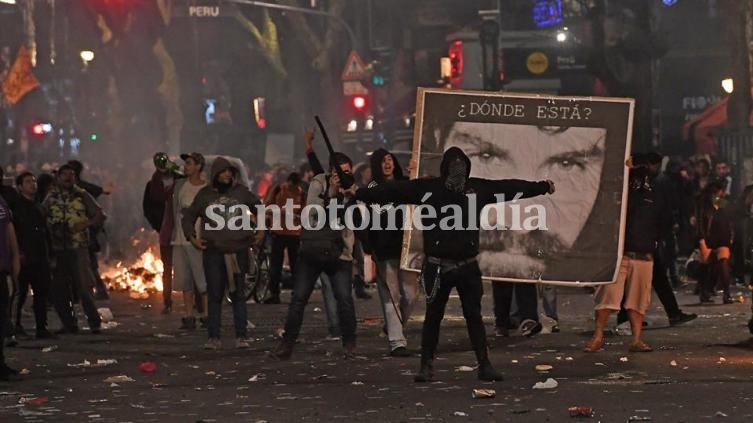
x: 359, y: 103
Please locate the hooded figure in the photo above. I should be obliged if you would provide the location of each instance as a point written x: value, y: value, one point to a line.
x: 450, y: 253
x: 215, y: 205
x: 226, y: 237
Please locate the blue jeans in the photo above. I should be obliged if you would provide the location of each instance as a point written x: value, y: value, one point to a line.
x: 339, y: 273
x: 217, y: 280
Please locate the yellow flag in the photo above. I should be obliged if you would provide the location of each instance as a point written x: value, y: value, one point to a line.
x: 20, y: 81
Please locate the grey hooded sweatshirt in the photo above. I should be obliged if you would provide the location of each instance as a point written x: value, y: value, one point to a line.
x: 221, y: 200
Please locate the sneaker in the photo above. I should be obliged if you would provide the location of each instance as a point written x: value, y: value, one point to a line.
x: 187, y: 323
x: 362, y: 294
x: 682, y: 318
x: 45, y: 334
x: 487, y: 373
x: 66, y: 331
x: 272, y: 300
x: 241, y: 343
x: 555, y: 328
x: 426, y: 373
x: 400, y: 352
x: 9, y: 375
x: 213, y: 344
x: 502, y: 332
x: 530, y: 328
x: 282, y: 352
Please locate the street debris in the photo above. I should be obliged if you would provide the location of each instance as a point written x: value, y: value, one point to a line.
x: 33, y: 401
x: 460, y: 414
x: 581, y: 411
x: 357, y: 383
x: 673, y: 363
x: 119, y: 378
x: 254, y: 378
x: 465, y: 369
x: 483, y: 393
x: 548, y: 384
x: 639, y: 419
x: 99, y: 363
x: 624, y: 359
x: 24, y: 372
x: 105, y: 314
x: 543, y: 368
x: 720, y: 414
x: 51, y: 348
x: 162, y: 335
x: 148, y: 367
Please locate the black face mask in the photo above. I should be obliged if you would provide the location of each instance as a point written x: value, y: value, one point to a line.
x: 457, y: 173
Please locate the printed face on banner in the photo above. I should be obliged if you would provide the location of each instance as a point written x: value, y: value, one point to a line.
x: 580, y: 144
x: 572, y: 157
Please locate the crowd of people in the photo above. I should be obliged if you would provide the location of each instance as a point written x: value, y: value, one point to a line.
x: 51, y: 221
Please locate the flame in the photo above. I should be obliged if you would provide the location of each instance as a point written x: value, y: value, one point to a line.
x: 140, y: 278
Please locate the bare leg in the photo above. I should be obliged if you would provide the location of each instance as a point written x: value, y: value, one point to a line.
x: 602, y: 317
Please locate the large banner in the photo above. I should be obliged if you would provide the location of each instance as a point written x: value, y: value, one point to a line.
x: 579, y: 143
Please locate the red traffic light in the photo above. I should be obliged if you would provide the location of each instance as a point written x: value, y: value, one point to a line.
x: 40, y: 129
x: 359, y: 103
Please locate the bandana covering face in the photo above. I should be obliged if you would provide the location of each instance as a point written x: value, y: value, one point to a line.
x: 456, y: 176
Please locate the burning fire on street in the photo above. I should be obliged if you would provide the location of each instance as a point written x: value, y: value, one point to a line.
x: 140, y: 277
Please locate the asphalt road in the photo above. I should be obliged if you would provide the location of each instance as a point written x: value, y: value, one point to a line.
x: 701, y: 371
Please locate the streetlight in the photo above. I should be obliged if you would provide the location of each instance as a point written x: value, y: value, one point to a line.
x: 87, y: 56
x: 728, y: 85
x: 561, y: 36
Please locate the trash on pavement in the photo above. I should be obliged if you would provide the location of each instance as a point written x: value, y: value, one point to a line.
x: 460, y: 414
x: 119, y: 378
x: 581, y: 411
x: 720, y: 414
x: 484, y: 393
x: 50, y: 348
x: 673, y: 363
x: 548, y: 384
x: 105, y: 314
x: 464, y: 369
x: 24, y: 372
x: 624, y: 359
x: 148, y: 367
x: 543, y: 368
x: 34, y: 401
x: 162, y: 335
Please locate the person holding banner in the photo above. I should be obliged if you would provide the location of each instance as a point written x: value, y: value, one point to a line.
x: 633, y: 285
x: 451, y: 256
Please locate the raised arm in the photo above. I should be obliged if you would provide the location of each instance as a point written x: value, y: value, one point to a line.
x: 488, y: 190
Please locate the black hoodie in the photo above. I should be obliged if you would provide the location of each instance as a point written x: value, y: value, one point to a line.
x: 385, y: 244
x: 451, y: 244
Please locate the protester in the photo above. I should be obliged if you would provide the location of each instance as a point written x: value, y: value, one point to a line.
x: 71, y: 212
x: 225, y: 251
x: 451, y: 256
x: 326, y: 250
x: 32, y: 235
x: 10, y: 266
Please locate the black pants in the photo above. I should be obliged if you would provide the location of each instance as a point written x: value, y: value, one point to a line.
x: 526, y: 298
x: 99, y: 284
x: 4, y: 312
x: 718, y: 276
x: 467, y: 280
x: 37, y: 276
x: 279, y: 244
x: 72, y: 273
